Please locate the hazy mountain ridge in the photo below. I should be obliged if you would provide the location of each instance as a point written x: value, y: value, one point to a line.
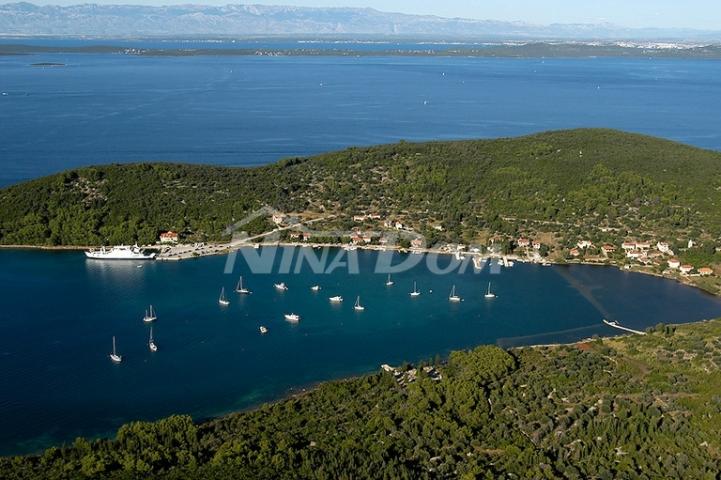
x: 128, y: 20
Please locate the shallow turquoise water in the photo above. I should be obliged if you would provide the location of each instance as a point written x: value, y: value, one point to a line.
x: 58, y: 314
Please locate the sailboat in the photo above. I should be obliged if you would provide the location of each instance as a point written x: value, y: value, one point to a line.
x: 389, y: 282
x: 315, y: 288
x: 281, y: 286
x: 222, y: 300
x: 358, y: 307
x: 453, y: 297
x: 114, y: 356
x: 337, y: 299
x: 415, y: 291
x: 263, y: 330
x: 241, y: 289
x: 489, y: 294
x: 150, y: 315
x: 151, y: 343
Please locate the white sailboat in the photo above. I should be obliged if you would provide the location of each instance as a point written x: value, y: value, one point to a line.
x: 490, y: 294
x: 415, y: 292
x: 150, y: 315
x: 151, y: 342
x: 222, y: 300
x: 114, y: 356
x: 263, y: 330
x: 336, y: 299
x: 315, y: 288
x: 453, y: 297
x: 292, y: 317
x: 281, y: 286
x: 358, y: 307
x: 389, y: 282
x: 240, y: 288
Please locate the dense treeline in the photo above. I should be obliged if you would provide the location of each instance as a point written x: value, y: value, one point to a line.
x: 567, y: 181
x: 641, y: 407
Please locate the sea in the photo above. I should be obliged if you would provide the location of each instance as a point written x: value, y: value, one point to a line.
x: 59, y: 311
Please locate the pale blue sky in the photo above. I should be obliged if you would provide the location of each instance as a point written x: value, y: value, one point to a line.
x: 702, y: 14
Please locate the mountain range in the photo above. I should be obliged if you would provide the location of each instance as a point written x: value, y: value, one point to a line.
x: 237, y: 20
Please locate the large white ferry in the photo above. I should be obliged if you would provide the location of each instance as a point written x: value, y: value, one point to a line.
x: 120, y: 252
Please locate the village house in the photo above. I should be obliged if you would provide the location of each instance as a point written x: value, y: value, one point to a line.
x: 628, y: 246
x: 294, y: 235
x: 417, y: 243
x: 169, y: 237
x: 278, y: 218
x: 306, y: 236
x: 663, y: 247
x: 705, y: 271
x: 523, y: 242
x: 359, y: 218
x: 575, y: 252
x: 367, y: 237
x: 388, y: 223
x: 686, y: 269
x: 438, y: 228
x: 584, y: 244
x: 674, y: 263
x: 608, y: 249
x: 634, y: 254
x: 643, y: 245
x: 374, y: 216
x: 356, y: 238
x: 399, y: 226
x: 536, y: 245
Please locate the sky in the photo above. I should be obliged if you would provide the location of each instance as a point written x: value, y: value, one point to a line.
x: 697, y: 14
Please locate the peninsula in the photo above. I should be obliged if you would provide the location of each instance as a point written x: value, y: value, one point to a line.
x: 593, y: 196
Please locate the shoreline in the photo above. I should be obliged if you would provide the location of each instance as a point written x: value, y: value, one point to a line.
x: 214, y: 249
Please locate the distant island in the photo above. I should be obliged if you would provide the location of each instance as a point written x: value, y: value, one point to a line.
x: 534, y: 49
x: 592, y: 196
x: 632, y: 407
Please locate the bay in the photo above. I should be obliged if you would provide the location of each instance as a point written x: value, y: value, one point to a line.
x: 58, y: 313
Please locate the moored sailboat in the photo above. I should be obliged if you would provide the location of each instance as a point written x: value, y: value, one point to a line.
x: 151, y: 342
x: 114, y: 356
x: 222, y: 300
x: 150, y: 315
x: 415, y: 292
x: 489, y: 294
x: 240, y: 288
x: 358, y: 307
x: 453, y: 297
x: 389, y: 282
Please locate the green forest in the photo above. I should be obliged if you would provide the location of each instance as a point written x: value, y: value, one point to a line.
x: 569, y: 182
x: 632, y: 407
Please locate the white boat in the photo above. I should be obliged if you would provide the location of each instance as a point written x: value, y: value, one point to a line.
x: 263, y: 330
x: 222, y: 300
x: 151, y: 343
x: 281, y: 286
x: 459, y: 256
x: 150, y: 315
x: 120, y: 252
x: 114, y: 356
x: 489, y: 294
x: 336, y: 299
x: 315, y: 288
x: 350, y: 248
x: 453, y: 297
x: 241, y: 289
x: 389, y: 282
x: 292, y: 317
x: 415, y: 292
x: 358, y: 307
x: 545, y: 264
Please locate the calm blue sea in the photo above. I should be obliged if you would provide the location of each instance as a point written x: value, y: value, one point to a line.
x: 60, y: 311
x: 255, y: 110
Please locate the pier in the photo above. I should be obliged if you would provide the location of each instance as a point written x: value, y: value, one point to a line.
x: 617, y: 325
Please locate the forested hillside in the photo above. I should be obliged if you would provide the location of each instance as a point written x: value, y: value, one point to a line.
x: 577, y: 180
x: 634, y: 407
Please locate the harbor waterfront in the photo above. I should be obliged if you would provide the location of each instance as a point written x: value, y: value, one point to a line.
x: 59, y: 382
